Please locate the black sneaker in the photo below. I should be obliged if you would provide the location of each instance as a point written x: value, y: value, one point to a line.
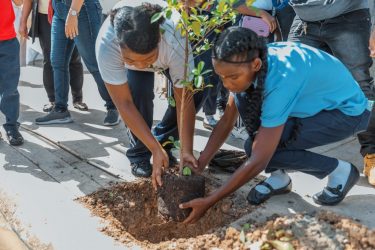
x: 112, y: 118
x: 14, y: 136
x: 54, y: 117
x: 141, y: 169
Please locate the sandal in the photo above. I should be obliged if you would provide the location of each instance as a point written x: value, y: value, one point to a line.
x: 255, y: 197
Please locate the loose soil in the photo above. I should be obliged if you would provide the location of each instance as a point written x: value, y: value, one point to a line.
x: 131, y: 212
x: 178, y: 189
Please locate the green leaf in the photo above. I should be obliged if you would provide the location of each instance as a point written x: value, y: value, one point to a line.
x: 186, y: 171
x: 171, y: 101
x: 246, y: 226
x: 200, y: 66
x: 177, y: 144
x: 168, y: 13
x: 166, y: 143
x: 156, y: 17
x: 242, y: 237
x: 196, y: 26
x: 198, y: 81
x: 206, y: 71
x: 184, y: 16
x: 171, y: 138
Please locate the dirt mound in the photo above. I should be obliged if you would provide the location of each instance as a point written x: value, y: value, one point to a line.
x: 131, y: 209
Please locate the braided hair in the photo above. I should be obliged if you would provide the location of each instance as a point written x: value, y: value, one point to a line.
x: 133, y: 27
x: 241, y: 45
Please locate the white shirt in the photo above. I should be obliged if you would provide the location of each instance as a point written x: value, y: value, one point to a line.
x: 171, y: 51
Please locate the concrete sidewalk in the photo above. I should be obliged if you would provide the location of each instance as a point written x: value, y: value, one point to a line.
x: 40, y: 180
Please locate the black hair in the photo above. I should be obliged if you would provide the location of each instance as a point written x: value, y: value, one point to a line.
x: 241, y: 45
x: 134, y: 29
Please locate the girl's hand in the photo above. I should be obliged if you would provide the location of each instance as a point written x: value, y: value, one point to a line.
x: 372, y: 43
x: 189, y: 160
x: 270, y: 20
x: 71, y: 26
x: 199, y: 206
x: 160, y: 161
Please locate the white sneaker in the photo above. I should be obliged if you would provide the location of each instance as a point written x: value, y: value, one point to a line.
x: 240, y: 133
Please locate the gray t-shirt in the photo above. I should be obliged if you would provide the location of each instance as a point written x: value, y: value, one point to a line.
x: 171, y: 51
x: 317, y: 10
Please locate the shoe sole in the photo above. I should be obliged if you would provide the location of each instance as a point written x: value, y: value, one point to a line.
x: 112, y: 124
x: 208, y: 126
x: 57, y: 121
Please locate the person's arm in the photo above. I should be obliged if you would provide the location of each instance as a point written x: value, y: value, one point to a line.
x: 26, y: 9
x: 219, y: 134
x: 122, y: 98
x: 264, y: 15
x: 18, y: 2
x: 71, y: 23
x: 372, y: 43
x: 243, y: 9
x: 264, y: 146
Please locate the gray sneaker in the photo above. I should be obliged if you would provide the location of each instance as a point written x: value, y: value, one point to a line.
x: 112, y: 118
x: 54, y: 117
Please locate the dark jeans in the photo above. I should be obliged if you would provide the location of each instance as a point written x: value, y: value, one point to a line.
x: 89, y: 22
x: 9, y: 77
x: 285, y: 17
x: 347, y: 38
x: 75, y: 65
x: 305, y: 133
x: 141, y: 85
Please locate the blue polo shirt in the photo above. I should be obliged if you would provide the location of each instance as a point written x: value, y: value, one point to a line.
x: 303, y: 81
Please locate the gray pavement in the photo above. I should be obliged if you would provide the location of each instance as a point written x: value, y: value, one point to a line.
x: 39, y: 180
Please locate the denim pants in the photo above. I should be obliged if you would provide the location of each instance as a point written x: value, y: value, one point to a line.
x: 300, y: 134
x: 347, y: 38
x: 75, y: 64
x: 141, y: 85
x: 9, y: 77
x: 89, y: 21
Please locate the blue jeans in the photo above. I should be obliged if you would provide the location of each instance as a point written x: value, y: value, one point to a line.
x: 141, y: 85
x: 347, y: 38
x: 9, y: 77
x: 300, y: 134
x: 89, y: 22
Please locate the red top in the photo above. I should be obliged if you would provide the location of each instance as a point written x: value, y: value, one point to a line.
x: 7, y: 17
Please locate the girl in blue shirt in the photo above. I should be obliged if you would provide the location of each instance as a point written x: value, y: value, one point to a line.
x: 291, y: 98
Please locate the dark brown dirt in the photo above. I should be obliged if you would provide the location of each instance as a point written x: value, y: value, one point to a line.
x: 131, y: 210
x: 177, y: 189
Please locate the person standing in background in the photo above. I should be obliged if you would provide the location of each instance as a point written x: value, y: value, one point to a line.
x: 75, y: 23
x: 41, y: 28
x: 9, y: 72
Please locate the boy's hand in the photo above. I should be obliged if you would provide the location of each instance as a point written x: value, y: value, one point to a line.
x: 160, y: 161
x: 372, y: 43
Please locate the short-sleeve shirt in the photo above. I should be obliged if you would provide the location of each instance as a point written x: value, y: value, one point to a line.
x: 7, y: 17
x: 171, y: 51
x: 303, y: 81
